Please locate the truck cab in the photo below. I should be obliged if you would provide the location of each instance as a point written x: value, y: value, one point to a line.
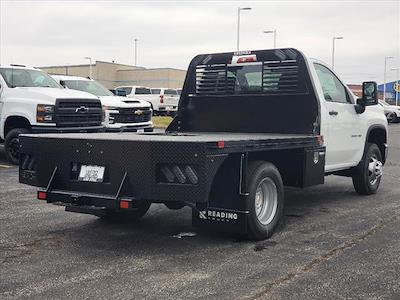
x: 345, y: 126
x: 120, y: 113
x: 33, y: 102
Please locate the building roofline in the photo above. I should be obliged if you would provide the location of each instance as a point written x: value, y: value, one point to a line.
x: 94, y: 64
x: 151, y: 69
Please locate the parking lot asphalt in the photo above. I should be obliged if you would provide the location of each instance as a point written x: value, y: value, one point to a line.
x: 334, y: 244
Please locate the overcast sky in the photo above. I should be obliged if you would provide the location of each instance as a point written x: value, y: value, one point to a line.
x: 170, y: 33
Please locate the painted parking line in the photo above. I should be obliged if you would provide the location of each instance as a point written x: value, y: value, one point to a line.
x: 5, y: 166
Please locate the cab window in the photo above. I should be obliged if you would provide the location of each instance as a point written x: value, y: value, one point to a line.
x: 334, y: 90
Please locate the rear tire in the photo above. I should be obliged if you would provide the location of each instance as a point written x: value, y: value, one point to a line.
x: 368, y: 174
x: 133, y: 215
x: 265, y: 200
x: 12, y: 145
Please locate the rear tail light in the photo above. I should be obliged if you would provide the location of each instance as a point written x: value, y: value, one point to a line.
x: 220, y: 144
x: 246, y: 59
x: 161, y: 98
x: 41, y: 195
x: 124, y: 204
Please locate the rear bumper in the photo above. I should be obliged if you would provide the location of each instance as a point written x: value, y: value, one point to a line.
x: 168, y: 108
x: 87, y: 203
x: 48, y: 129
x: 130, y: 129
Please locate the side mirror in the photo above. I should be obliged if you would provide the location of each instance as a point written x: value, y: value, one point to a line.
x: 62, y: 82
x: 369, y: 93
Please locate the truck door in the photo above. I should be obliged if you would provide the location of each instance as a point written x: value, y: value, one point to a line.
x: 344, y: 137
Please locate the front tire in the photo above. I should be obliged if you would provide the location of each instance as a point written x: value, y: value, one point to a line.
x: 265, y: 200
x: 368, y: 173
x: 12, y: 144
x: 392, y: 118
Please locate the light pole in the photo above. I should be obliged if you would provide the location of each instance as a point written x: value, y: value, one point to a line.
x: 384, y: 76
x: 238, y: 24
x: 274, y: 32
x: 135, y: 40
x: 397, y: 92
x: 90, y: 66
x: 333, y: 49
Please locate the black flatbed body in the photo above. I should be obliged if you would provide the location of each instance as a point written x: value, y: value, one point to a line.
x: 140, y: 157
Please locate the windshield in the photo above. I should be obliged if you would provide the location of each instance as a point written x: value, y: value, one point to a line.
x: 88, y: 86
x: 27, y: 78
x: 170, y: 92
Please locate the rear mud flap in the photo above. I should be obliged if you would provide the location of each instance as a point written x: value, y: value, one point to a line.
x: 221, y: 219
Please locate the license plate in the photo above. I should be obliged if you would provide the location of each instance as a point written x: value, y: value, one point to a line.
x: 140, y: 130
x: 91, y: 173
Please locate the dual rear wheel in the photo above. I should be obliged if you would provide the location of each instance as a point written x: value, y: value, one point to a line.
x: 265, y: 200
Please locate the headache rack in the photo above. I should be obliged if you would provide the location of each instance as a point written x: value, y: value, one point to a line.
x: 248, y: 91
x: 276, y: 77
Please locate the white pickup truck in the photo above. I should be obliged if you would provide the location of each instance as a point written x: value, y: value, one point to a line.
x: 169, y: 97
x: 33, y: 102
x: 120, y: 113
x: 229, y: 152
x: 160, y: 105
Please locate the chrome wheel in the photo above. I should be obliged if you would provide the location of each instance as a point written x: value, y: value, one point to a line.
x: 375, y: 169
x: 266, y: 201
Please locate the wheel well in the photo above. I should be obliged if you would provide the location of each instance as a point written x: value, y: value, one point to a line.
x: 15, y: 122
x: 378, y: 136
x: 289, y: 162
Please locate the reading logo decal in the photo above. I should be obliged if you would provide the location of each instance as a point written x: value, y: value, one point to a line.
x: 218, y: 215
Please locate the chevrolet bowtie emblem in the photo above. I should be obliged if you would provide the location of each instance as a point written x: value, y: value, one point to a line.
x: 82, y: 109
x: 138, y: 112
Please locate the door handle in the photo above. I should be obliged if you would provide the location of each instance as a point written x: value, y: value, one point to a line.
x: 333, y: 113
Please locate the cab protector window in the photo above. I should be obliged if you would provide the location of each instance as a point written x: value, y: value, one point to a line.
x: 334, y: 90
x: 142, y: 91
x: 274, y: 77
x: 127, y: 90
x: 170, y: 92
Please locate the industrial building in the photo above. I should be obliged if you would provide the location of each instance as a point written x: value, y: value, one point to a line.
x: 112, y: 74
